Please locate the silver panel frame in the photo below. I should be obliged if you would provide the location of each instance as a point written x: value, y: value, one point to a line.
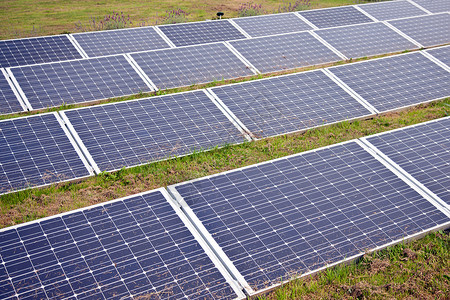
x: 230, y: 266
x: 94, y: 164
x: 77, y: 46
x: 16, y: 93
x: 435, y: 59
x: 241, y: 30
x: 418, y: 6
x: 72, y: 142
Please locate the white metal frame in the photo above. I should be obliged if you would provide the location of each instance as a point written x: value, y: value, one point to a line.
x: 366, y: 13
x: 30, y: 107
x: 164, y: 37
x: 94, y: 164
x: 328, y: 45
x: 308, y: 22
x: 13, y: 88
x: 241, y: 124
x: 419, y: 45
x: 435, y: 59
x: 418, y: 6
x: 72, y: 142
x: 141, y: 72
x: 230, y: 266
x: 77, y: 46
x: 242, y: 58
x: 241, y: 30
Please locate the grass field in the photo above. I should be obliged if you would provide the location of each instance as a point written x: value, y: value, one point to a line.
x: 21, y: 18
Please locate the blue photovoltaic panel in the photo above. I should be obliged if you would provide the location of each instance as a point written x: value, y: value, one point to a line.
x: 109, y: 42
x: 76, y: 81
x: 8, y: 100
x: 297, y: 214
x: 442, y: 53
x: 135, y: 247
x: 271, y: 24
x: 427, y: 30
x: 201, y: 32
x: 36, y: 50
x: 390, y: 10
x: 288, y: 51
x: 397, y: 81
x: 423, y: 151
x: 434, y: 6
x: 289, y: 103
x: 137, y: 132
x: 365, y: 40
x: 336, y: 16
x: 35, y: 151
x: 186, y: 66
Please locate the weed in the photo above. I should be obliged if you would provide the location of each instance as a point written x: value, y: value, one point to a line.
x: 175, y: 16
x: 249, y: 9
x: 115, y: 20
x: 296, y: 6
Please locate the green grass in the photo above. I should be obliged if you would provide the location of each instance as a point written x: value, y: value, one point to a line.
x: 416, y: 270
x: 45, y: 17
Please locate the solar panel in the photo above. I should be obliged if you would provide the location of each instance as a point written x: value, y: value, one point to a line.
x: 423, y: 151
x: 77, y: 81
x: 271, y: 24
x: 201, y: 32
x: 442, y: 53
x: 365, y: 40
x: 9, y: 102
x: 427, y: 30
x: 109, y: 42
x: 287, y: 51
x: 134, y: 247
x: 36, y: 50
x: 190, y: 65
x: 434, y: 6
x: 290, y: 216
x: 397, y: 81
x: 285, y: 104
x: 132, y: 133
x: 336, y: 16
x: 392, y: 10
x: 36, y: 151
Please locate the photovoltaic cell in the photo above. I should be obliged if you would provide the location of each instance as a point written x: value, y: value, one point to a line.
x: 8, y: 100
x: 201, y: 32
x: 36, y: 50
x: 397, y: 81
x: 186, y: 66
x: 297, y: 214
x: 109, y: 42
x: 423, y: 151
x: 272, y: 24
x: 289, y: 103
x: 76, y: 81
x: 282, y: 52
x: 137, y: 132
x: 131, y: 247
x: 428, y: 30
x: 442, y: 53
x: 36, y: 151
x: 365, y: 40
x: 336, y: 16
x: 434, y: 6
x: 392, y: 10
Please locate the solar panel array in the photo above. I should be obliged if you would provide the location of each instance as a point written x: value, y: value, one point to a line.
x: 390, y: 10
x: 76, y: 81
x: 272, y: 24
x: 434, y: 6
x: 8, y: 100
x: 289, y: 103
x: 423, y: 151
x: 429, y: 30
x: 336, y: 16
x: 137, y: 132
x: 441, y: 53
x: 36, y: 50
x: 294, y: 215
x: 185, y: 66
x: 282, y: 52
x: 397, y: 81
x: 365, y: 40
x: 109, y: 42
x: 201, y: 32
x: 131, y: 247
x: 36, y: 151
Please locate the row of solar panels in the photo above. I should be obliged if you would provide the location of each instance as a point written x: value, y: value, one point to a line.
x: 240, y: 232
x: 65, y: 47
x: 39, y: 150
x: 75, y: 81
